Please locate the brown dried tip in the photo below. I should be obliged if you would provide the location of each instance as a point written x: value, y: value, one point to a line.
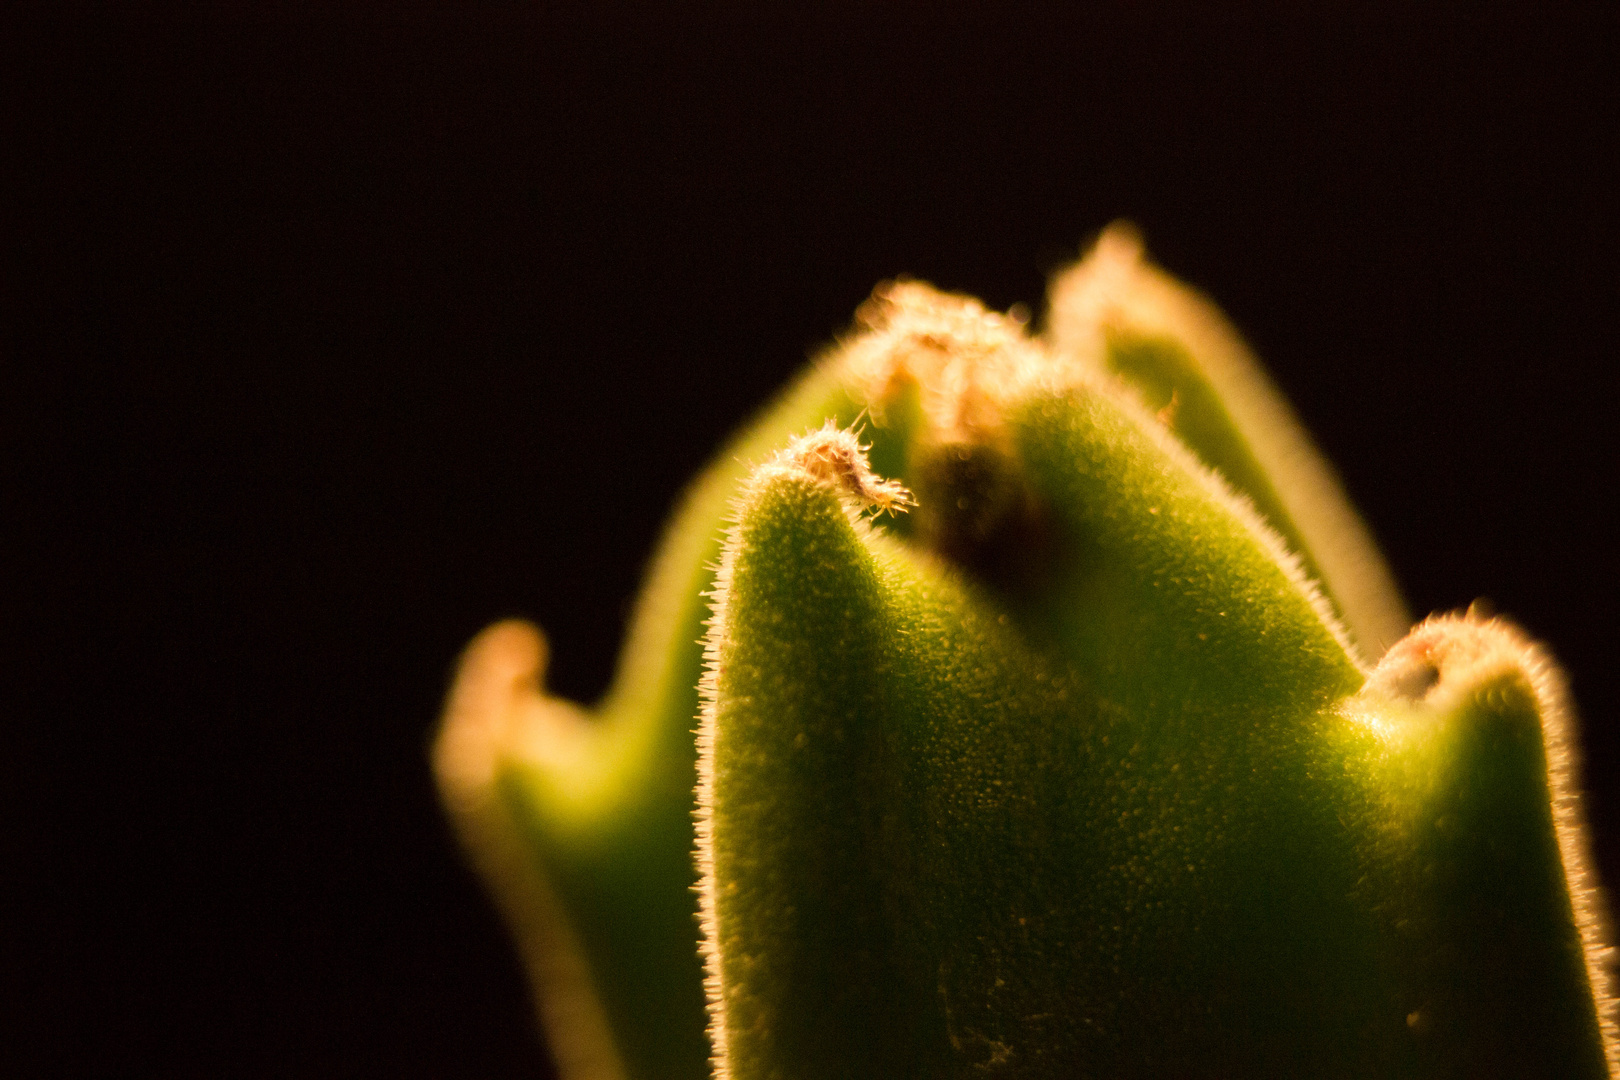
x: 834, y: 456
x: 1448, y: 655
x: 967, y: 360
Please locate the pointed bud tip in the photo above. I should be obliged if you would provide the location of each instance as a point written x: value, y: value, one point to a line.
x: 834, y: 456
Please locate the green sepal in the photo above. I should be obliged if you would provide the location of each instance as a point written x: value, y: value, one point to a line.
x: 1172, y: 349
x: 944, y: 840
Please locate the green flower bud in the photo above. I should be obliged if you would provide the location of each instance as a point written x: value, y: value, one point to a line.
x: 1050, y: 733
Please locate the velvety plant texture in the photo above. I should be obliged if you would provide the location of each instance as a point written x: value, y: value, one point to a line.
x: 1016, y: 703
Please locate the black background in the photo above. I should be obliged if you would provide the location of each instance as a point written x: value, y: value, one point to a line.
x: 329, y: 339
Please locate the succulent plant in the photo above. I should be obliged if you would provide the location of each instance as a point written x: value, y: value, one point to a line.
x: 1056, y: 716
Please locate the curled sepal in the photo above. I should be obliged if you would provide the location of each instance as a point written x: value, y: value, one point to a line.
x: 1492, y: 906
x: 496, y: 703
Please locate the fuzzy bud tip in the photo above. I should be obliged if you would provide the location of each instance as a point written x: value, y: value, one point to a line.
x: 834, y: 456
